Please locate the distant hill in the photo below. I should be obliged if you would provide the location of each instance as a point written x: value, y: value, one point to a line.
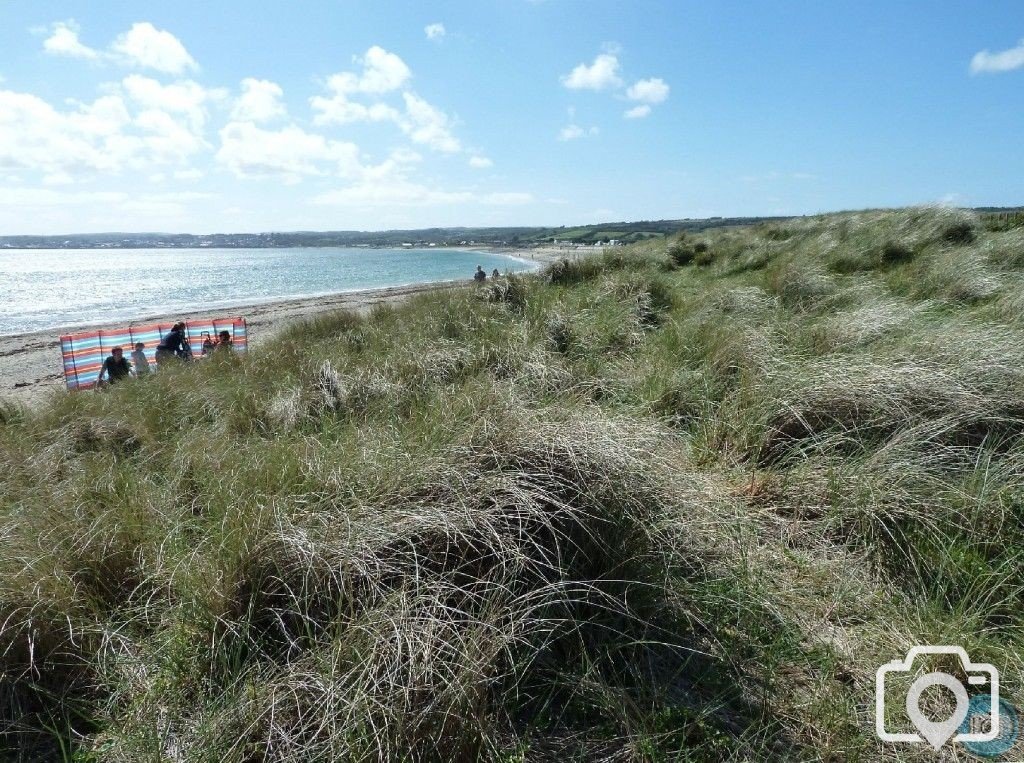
x: 625, y: 232
x: 621, y: 232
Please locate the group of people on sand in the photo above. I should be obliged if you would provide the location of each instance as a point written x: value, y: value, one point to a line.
x: 480, y: 275
x: 173, y: 347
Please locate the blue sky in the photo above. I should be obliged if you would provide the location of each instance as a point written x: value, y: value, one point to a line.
x: 206, y: 117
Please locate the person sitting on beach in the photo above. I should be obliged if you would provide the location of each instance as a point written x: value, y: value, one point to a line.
x: 479, y: 275
x: 223, y: 340
x: 139, y: 361
x: 116, y: 367
x: 207, y: 345
x: 495, y: 273
x: 174, y: 345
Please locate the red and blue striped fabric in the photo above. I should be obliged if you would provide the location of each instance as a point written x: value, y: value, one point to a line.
x: 84, y: 353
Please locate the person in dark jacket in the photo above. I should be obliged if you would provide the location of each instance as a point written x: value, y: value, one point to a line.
x: 174, y: 345
x: 479, y: 276
x: 116, y: 366
x: 224, y: 341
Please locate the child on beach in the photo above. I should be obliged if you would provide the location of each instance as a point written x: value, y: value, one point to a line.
x: 139, y: 359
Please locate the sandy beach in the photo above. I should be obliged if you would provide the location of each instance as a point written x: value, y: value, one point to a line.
x: 30, y: 365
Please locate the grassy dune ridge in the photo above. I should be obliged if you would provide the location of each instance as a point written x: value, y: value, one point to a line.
x: 677, y: 501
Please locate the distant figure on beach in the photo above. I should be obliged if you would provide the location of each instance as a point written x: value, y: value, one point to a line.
x: 224, y: 340
x: 116, y: 367
x: 174, y: 345
x: 479, y: 275
x: 495, y: 273
x: 207, y: 344
x: 139, y: 361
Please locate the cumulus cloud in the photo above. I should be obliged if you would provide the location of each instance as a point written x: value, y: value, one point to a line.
x: 574, y: 131
x: 142, y: 46
x: 421, y: 121
x: 248, y: 150
x: 184, y: 97
x: 602, y: 74
x: 167, y: 140
x: 653, y: 90
x: 434, y: 31
x: 63, y: 41
x: 260, y: 101
x: 637, y: 112
x: 382, y: 72
x: 1004, y: 61
x: 148, y: 47
x: 156, y: 127
x: 338, y: 109
x: 427, y: 124
x: 104, y: 136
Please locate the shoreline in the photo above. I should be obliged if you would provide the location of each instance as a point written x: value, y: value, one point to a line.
x: 30, y: 364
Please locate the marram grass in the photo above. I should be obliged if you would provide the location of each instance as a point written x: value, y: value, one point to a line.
x: 676, y: 502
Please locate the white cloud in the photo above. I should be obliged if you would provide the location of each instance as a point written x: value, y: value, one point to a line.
x: 637, y: 112
x: 428, y: 125
x: 36, y: 136
x: 434, y: 31
x: 63, y: 41
x: 140, y: 126
x: 383, y: 72
x: 146, y: 46
x: 653, y: 90
x: 338, y: 109
x: 1003, y: 61
x: 189, y: 174
x: 184, y: 97
x: 480, y: 162
x: 167, y: 140
x: 260, y: 101
x: 422, y: 122
x: 291, y: 152
x: 573, y: 131
x: 602, y: 74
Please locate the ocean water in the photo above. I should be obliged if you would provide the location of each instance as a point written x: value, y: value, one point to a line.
x: 50, y: 288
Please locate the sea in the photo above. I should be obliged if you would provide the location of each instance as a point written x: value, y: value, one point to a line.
x: 50, y: 288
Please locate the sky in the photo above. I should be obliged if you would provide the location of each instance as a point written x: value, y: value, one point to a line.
x: 238, y: 117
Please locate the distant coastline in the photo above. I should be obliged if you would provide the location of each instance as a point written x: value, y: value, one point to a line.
x: 525, y: 237
x: 515, y: 237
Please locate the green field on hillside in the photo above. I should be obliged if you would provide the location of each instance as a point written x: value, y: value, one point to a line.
x: 673, y: 502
